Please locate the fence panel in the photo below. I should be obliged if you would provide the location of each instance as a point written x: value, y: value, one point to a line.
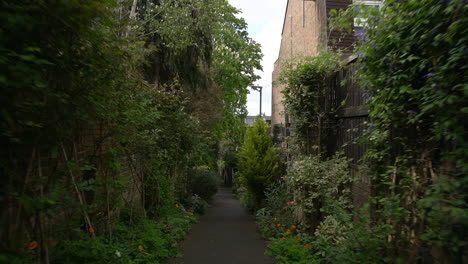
x: 349, y: 102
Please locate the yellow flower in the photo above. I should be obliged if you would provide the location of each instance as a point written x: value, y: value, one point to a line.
x: 34, y: 244
x: 140, y: 248
x: 307, y: 246
x: 293, y: 226
x: 283, y: 238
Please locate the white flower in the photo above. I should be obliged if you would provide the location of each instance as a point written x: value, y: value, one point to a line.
x: 118, y: 253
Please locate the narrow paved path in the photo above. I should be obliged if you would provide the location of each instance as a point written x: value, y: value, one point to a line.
x: 226, y: 234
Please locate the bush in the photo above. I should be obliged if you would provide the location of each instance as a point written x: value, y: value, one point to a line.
x: 149, y: 241
x: 318, y: 187
x: 198, y: 205
x: 205, y: 184
x: 292, y: 250
x: 259, y: 163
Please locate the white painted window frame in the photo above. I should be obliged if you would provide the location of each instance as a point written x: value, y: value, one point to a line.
x: 362, y: 22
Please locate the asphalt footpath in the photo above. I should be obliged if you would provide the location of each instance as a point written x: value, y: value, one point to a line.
x: 226, y: 234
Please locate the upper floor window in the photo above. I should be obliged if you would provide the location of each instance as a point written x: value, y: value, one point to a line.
x: 359, y: 20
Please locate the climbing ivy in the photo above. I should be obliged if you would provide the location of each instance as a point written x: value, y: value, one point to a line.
x: 413, y: 66
x: 307, y: 81
x: 413, y: 57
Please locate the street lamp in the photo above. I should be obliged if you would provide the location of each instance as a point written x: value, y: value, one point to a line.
x: 259, y: 88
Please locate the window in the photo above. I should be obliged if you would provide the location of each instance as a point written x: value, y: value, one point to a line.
x: 359, y: 21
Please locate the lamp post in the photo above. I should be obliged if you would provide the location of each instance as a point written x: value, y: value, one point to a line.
x: 259, y: 88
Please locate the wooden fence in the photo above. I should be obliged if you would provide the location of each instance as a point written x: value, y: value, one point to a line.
x: 346, y: 100
x: 352, y: 118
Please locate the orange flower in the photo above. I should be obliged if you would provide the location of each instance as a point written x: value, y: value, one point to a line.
x: 307, y: 246
x: 293, y: 226
x: 283, y: 238
x: 140, y: 248
x: 298, y: 239
x: 34, y: 244
x: 278, y: 225
x: 288, y: 231
x: 177, y: 205
x: 91, y: 229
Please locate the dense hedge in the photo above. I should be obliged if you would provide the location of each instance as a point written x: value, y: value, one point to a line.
x: 103, y: 117
x: 413, y: 65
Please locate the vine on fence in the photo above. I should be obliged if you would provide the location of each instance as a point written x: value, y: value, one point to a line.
x: 413, y: 64
x: 306, y: 84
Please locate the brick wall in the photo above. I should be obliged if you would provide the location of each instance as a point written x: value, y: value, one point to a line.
x: 338, y: 39
x: 304, y: 32
x: 300, y: 37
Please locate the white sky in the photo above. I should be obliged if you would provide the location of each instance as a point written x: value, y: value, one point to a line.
x: 265, y: 21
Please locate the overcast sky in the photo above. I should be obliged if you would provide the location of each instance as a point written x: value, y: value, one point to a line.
x: 265, y: 20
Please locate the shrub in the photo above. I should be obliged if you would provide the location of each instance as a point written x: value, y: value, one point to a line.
x: 318, y: 187
x: 198, y: 205
x: 205, y: 184
x: 292, y: 250
x: 259, y: 163
x: 149, y: 241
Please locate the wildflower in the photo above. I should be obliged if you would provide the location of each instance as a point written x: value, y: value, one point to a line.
x: 140, y: 248
x: 293, y: 226
x: 283, y: 238
x: 91, y: 230
x: 118, y: 254
x: 278, y: 225
x: 34, y: 244
x: 177, y: 205
x: 298, y: 239
x: 307, y: 246
x: 288, y: 231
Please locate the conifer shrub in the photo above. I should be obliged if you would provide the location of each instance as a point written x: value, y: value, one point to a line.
x: 259, y: 163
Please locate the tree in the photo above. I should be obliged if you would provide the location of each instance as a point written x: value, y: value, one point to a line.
x: 259, y: 163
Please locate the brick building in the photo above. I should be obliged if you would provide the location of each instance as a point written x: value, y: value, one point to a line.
x: 305, y: 32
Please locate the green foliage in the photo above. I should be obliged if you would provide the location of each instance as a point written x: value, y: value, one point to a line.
x: 259, y: 163
x: 244, y: 196
x: 16, y: 259
x: 415, y: 68
x: 289, y: 250
x: 413, y: 64
x: 414, y: 58
x: 99, y: 125
x: 198, y: 205
x: 205, y: 184
x: 313, y: 206
x: 236, y: 58
x: 306, y: 82
x: 318, y: 187
x: 149, y: 241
